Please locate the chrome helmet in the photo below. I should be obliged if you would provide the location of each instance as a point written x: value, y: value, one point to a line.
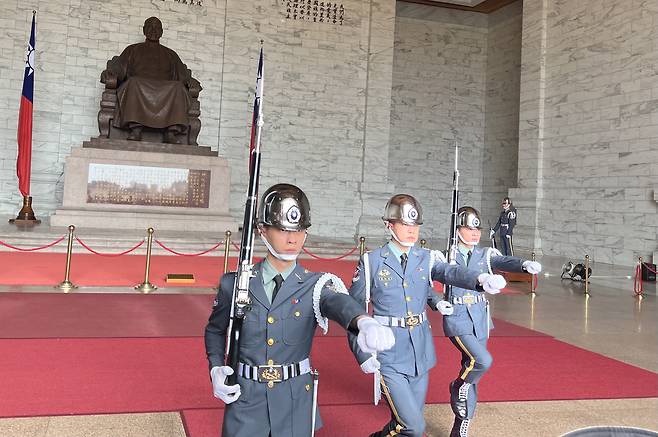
x: 286, y: 207
x: 468, y: 217
x: 403, y: 208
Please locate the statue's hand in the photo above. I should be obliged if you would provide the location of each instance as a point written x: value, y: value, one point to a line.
x: 108, y: 76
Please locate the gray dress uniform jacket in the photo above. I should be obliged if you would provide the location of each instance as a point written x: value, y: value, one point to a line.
x: 396, y: 294
x: 471, y: 314
x: 283, y: 333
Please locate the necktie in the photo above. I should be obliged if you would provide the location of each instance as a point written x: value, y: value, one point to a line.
x: 403, y: 261
x: 468, y: 257
x: 278, y: 280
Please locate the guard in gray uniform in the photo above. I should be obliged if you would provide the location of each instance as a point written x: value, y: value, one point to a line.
x: 397, y: 278
x: 274, y: 394
x: 505, y: 227
x: 469, y: 324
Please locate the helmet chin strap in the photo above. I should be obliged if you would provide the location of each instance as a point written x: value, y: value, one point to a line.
x: 281, y: 256
x: 468, y: 243
x: 402, y: 243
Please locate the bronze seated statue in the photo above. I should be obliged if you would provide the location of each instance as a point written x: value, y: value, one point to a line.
x: 149, y: 93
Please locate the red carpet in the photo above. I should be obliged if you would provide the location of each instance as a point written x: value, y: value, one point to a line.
x: 78, y: 315
x: 91, y: 376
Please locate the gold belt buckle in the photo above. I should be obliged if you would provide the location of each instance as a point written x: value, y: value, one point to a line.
x: 270, y: 374
x: 468, y: 299
x: 412, y: 320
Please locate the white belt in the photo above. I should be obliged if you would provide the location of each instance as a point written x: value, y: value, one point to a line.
x: 274, y: 372
x: 469, y: 300
x: 403, y: 322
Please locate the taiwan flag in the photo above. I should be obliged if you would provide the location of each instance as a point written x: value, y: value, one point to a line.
x: 24, y: 160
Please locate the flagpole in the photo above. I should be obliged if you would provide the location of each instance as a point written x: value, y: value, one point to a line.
x: 24, y: 160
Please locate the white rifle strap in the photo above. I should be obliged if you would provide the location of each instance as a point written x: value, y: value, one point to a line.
x: 377, y: 391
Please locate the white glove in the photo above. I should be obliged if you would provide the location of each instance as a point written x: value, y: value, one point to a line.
x: 492, y: 284
x: 491, y: 233
x: 227, y: 393
x: 371, y: 365
x: 532, y: 267
x: 445, y: 307
x: 373, y: 337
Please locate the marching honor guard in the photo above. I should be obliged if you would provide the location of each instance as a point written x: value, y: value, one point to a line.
x: 274, y: 395
x: 469, y: 324
x: 505, y: 227
x: 397, y: 280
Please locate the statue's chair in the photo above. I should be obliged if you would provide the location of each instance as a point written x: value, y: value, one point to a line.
x: 109, y: 103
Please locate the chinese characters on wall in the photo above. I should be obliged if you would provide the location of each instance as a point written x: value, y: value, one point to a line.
x: 316, y: 11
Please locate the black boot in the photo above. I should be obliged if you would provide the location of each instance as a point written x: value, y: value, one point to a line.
x: 459, y: 396
x: 460, y: 427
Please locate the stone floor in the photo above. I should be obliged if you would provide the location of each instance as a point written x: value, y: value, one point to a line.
x: 611, y: 321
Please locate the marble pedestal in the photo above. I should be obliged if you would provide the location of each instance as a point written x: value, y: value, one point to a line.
x: 80, y: 209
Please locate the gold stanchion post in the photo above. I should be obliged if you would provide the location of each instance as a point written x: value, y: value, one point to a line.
x: 639, y: 272
x: 66, y: 285
x: 532, y: 280
x: 146, y: 286
x: 423, y: 243
x: 227, y: 249
x: 362, y: 245
x: 587, y: 274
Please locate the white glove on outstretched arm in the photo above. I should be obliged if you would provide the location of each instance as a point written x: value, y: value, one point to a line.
x: 491, y: 233
x: 532, y: 267
x: 371, y: 365
x: 445, y: 308
x: 373, y: 337
x: 227, y: 393
x: 492, y: 284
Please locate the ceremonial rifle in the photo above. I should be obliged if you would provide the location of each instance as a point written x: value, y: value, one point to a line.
x: 452, y: 240
x: 240, y: 299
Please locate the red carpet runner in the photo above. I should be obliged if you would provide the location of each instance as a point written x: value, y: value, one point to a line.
x: 90, y: 376
x: 56, y: 315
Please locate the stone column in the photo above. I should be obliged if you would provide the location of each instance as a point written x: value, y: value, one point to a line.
x: 528, y: 196
x: 375, y: 187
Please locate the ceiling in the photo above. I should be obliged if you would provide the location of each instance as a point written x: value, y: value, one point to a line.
x: 482, y: 6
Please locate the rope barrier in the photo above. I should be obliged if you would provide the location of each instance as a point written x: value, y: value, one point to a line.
x: 646, y: 266
x: 330, y: 259
x: 203, y: 252
x: 135, y: 247
x: 31, y: 249
x: 236, y: 247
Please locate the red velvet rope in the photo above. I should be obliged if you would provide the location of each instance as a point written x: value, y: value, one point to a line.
x: 330, y: 259
x: 188, y: 254
x: 109, y: 254
x: 646, y: 266
x: 23, y: 249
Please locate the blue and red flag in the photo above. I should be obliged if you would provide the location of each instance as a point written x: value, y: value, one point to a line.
x: 24, y: 160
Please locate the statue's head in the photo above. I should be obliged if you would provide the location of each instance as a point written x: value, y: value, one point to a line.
x: 153, y: 29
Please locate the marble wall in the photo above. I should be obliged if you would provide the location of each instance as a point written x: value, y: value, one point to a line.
x: 588, y: 160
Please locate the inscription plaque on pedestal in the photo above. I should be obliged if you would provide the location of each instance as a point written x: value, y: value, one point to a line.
x: 151, y: 186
